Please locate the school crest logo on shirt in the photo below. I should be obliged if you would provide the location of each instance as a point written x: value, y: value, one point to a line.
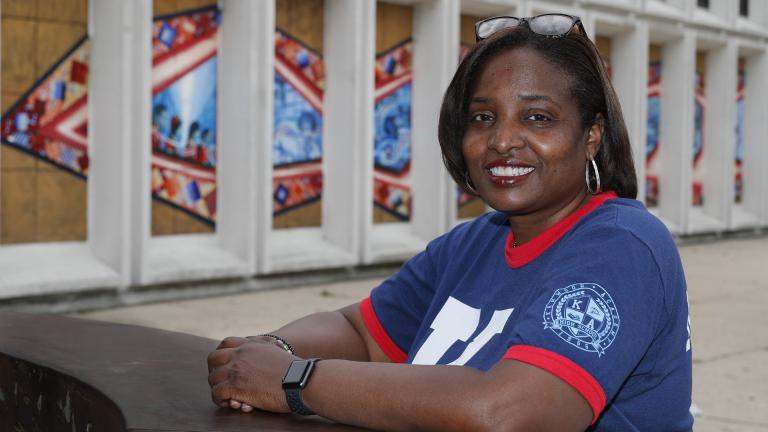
x: 583, y: 315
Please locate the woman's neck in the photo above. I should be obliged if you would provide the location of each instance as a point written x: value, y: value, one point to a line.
x: 527, y: 227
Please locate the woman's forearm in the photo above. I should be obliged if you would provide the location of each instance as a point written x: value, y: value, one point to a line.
x: 366, y: 392
x: 400, y: 397
x: 325, y: 335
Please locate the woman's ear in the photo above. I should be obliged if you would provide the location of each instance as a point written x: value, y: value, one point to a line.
x: 595, y: 136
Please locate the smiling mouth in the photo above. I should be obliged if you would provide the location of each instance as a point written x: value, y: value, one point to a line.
x: 509, y: 171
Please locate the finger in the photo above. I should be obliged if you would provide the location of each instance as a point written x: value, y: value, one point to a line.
x: 224, y: 404
x: 235, y: 404
x: 220, y: 357
x: 246, y: 408
x: 220, y: 393
x: 218, y: 375
x: 232, y: 342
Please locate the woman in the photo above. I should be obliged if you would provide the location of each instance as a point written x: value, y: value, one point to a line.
x: 568, y: 304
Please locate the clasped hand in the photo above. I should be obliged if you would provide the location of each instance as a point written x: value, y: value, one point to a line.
x: 246, y: 373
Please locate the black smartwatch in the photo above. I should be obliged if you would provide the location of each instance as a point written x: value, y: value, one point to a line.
x: 294, y: 381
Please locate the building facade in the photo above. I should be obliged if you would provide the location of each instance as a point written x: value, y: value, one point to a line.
x: 147, y: 143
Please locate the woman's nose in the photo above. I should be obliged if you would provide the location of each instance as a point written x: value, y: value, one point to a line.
x: 506, y: 138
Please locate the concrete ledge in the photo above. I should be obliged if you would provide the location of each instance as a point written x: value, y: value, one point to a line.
x: 48, y: 268
x: 59, y: 373
x: 86, y: 300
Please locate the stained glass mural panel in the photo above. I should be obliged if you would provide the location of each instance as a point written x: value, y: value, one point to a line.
x: 184, y: 85
x: 738, y: 191
x: 392, y: 131
x: 50, y: 121
x: 653, y: 126
x: 700, y: 105
x: 297, y: 146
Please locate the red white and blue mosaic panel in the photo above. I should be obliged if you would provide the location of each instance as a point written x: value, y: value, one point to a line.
x: 700, y: 105
x: 50, y: 120
x: 297, y: 146
x: 184, y: 78
x: 738, y: 192
x: 652, y: 135
x: 392, y: 131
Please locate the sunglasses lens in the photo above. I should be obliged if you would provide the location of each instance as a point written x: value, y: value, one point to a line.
x: 491, y: 26
x: 551, y: 25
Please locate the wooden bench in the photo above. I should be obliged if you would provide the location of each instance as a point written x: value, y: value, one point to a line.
x: 67, y: 374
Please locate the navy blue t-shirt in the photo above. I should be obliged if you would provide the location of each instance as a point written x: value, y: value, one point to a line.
x: 599, y: 300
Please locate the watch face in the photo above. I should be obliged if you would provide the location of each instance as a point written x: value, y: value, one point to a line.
x: 295, y: 372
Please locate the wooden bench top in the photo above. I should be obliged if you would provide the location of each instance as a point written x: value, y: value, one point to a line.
x: 60, y: 373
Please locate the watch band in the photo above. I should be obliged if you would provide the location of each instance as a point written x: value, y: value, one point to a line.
x: 293, y: 396
x: 295, y: 380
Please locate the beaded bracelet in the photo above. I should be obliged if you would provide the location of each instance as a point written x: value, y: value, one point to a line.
x: 280, y: 341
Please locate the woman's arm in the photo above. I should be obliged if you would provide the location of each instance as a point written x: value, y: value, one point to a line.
x: 511, y: 396
x: 339, y: 334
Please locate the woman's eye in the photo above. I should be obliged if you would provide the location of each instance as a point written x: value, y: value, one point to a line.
x: 482, y: 117
x: 538, y: 118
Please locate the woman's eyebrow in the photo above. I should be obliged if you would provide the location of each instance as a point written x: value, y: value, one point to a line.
x: 534, y: 97
x: 480, y: 99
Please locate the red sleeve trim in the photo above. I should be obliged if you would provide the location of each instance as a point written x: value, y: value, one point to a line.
x: 566, y: 370
x: 379, y: 334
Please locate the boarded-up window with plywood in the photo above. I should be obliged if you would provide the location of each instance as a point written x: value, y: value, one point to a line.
x: 604, y: 46
x: 297, y: 146
x: 738, y: 191
x: 184, y: 130
x: 44, y: 156
x: 652, y: 143
x: 700, y: 107
x: 392, y: 113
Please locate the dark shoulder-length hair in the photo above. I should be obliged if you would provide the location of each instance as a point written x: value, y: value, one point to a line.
x: 591, y: 88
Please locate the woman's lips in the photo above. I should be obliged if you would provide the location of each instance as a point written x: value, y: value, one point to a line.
x: 504, y: 172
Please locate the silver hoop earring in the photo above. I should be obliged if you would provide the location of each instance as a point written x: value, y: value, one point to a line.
x: 468, y: 185
x: 598, y: 187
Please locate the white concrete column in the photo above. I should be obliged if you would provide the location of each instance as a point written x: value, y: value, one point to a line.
x: 629, y: 61
x: 244, y: 171
x: 525, y: 8
x: 589, y: 22
x: 350, y: 30
x: 719, y: 126
x: 755, y: 199
x: 435, y: 58
x: 676, y: 129
x: 119, y: 108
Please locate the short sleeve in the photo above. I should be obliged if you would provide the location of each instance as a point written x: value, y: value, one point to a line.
x: 394, y: 311
x: 595, y: 314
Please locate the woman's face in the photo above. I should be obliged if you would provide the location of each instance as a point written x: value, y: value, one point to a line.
x: 524, y: 145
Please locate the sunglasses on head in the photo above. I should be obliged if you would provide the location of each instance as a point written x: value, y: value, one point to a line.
x: 549, y: 25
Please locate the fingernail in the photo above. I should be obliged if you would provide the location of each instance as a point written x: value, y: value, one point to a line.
x: 246, y: 408
x: 235, y: 404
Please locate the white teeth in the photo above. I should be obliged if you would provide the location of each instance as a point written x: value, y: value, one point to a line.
x: 507, y: 171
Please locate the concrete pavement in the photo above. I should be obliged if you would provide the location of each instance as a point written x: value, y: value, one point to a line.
x: 728, y: 294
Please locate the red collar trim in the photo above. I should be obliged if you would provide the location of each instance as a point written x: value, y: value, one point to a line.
x: 522, y: 255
